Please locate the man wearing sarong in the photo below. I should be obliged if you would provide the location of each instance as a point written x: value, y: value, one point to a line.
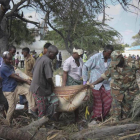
x: 123, y: 84
x: 11, y: 88
x: 42, y: 85
x: 72, y: 72
x: 96, y: 65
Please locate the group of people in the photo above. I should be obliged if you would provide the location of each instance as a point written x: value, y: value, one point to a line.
x: 112, y: 79
x: 135, y: 57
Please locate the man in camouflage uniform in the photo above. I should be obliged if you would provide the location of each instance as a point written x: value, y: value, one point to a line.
x: 124, y: 86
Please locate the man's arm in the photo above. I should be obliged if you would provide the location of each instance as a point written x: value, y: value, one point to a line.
x: 64, y: 78
x: 50, y: 81
x: 19, y: 79
x: 89, y: 65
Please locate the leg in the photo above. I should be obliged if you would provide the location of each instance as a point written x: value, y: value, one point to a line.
x: 41, y: 103
x: 97, y: 106
x: 11, y: 98
x: 116, y: 109
x: 24, y: 91
x: 107, y: 100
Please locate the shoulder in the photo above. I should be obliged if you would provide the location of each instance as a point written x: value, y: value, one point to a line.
x: 68, y: 60
x: 45, y: 59
x: 97, y: 55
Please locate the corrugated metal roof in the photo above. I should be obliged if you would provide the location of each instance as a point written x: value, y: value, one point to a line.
x: 134, y: 48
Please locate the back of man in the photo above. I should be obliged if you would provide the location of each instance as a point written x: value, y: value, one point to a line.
x: 41, y: 72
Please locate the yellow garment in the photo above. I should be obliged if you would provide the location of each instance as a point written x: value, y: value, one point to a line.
x: 84, y: 58
x: 41, y: 55
x: 86, y: 113
x: 29, y: 64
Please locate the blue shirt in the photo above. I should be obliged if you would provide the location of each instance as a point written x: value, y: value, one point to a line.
x: 96, y: 67
x: 8, y: 84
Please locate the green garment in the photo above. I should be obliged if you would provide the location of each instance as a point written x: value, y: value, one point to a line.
x: 123, y: 84
x: 71, y: 81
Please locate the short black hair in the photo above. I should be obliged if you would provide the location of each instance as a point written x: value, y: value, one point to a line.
x: 26, y: 50
x: 11, y: 47
x: 47, y: 45
x: 108, y: 48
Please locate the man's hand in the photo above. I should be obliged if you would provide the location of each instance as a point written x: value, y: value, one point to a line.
x: 92, y: 85
x: 28, y: 82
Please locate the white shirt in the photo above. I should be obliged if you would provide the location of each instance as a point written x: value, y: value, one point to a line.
x: 71, y: 67
x: 17, y: 56
x: 22, y: 57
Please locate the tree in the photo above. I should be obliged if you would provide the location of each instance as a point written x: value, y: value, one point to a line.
x: 136, y: 39
x: 64, y: 17
x: 20, y: 33
x: 7, y: 13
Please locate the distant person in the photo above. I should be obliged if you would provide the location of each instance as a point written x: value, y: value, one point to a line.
x: 133, y: 56
x: 60, y: 59
x: 12, y: 51
x: 22, y: 60
x: 138, y: 57
x: 125, y: 56
x: 17, y: 59
x: 85, y: 56
x: 29, y: 61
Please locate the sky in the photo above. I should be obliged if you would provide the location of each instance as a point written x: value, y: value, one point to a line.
x: 126, y: 23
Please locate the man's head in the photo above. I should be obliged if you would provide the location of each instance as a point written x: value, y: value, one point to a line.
x: 17, y: 52
x: 26, y: 51
x: 12, y: 50
x: 77, y: 53
x: 46, y: 46
x: 117, y: 59
x: 52, y: 52
x: 7, y: 57
x: 85, y: 52
x: 107, y: 51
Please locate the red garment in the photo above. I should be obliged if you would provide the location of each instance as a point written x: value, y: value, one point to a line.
x: 102, y: 103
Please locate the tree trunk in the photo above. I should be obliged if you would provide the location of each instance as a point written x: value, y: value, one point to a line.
x: 4, y: 37
x: 104, y: 131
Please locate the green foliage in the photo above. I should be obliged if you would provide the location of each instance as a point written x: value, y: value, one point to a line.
x: 19, y: 33
x: 136, y: 39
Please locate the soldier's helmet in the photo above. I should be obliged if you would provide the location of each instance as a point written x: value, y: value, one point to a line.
x: 116, y: 57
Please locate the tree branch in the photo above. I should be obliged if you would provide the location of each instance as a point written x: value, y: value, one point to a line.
x: 26, y: 20
x: 48, y: 21
x: 15, y: 7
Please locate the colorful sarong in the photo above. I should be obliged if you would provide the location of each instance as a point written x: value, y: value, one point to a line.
x: 46, y: 105
x: 102, y: 103
x: 71, y: 81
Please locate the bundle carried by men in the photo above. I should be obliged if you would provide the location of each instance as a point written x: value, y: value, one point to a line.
x: 70, y: 97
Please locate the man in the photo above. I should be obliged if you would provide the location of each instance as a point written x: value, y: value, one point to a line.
x: 72, y: 72
x: 10, y: 88
x: 22, y: 60
x: 46, y: 46
x: 12, y: 51
x: 42, y: 85
x: 29, y: 61
x: 97, y: 65
x: 124, y: 86
x: 85, y: 57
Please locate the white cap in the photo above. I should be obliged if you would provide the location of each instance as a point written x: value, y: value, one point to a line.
x: 79, y: 51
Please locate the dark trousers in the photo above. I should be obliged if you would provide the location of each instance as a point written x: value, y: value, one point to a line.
x: 22, y: 63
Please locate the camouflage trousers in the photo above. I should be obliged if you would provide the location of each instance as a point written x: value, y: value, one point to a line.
x: 122, y: 103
